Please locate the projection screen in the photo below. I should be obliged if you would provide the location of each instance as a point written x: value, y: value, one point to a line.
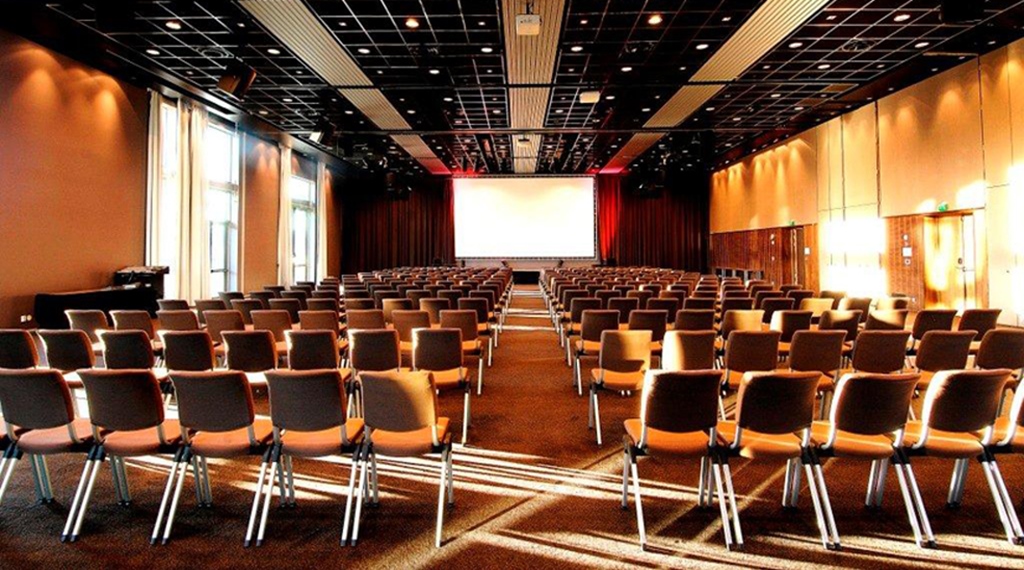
x: 528, y: 217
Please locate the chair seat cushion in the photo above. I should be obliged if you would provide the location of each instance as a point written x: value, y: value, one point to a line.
x: 56, y: 440
x: 449, y: 379
x: 942, y: 443
x: 408, y: 443
x: 1002, y: 429
x: 850, y: 444
x: 755, y: 445
x: 693, y: 444
x: 588, y: 346
x: 233, y: 443
x: 143, y: 441
x: 612, y: 380
x: 471, y: 347
x: 320, y: 443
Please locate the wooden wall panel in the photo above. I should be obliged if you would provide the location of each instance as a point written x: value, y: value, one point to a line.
x: 903, y: 278
x: 780, y: 258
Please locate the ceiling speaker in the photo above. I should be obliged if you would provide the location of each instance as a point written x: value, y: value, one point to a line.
x: 237, y: 79
x: 962, y: 11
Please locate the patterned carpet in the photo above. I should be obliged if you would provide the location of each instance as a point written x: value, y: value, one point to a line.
x: 533, y: 490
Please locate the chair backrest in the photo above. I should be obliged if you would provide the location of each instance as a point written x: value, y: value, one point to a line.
x: 433, y: 307
x: 89, y: 321
x: 835, y: 319
x: 436, y: 349
x: 777, y: 402
x: 374, y: 349
x: 123, y: 400
x: 133, y: 321
x: 654, y: 321
x: 312, y: 349
x: 836, y: 297
x: 127, y: 349
x: 880, y: 352
x: 788, y: 322
x: 172, y: 304
x: 307, y: 400
x: 290, y: 305
x: 944, y: 350
x: 250, y: 351
x: 862, y: 304
x: 17, y: 349
x: 680, y: 402
x: 737, y: 304
x: 669, y: 306
x: 816, y: 305
x: 407, y: 321
x: 699, y: 303
x: 190, y: 351
x: 688, y: 350
x: 694, y: 320
x: 625, y: 351
x: 642, y: 296
x: 741, y: 320
x: 760, y: 297
x: 963, y: 400
x: 178, y: 320
x: 365, y: 319
x: 246, y: 307
x: 595, y: 321
x: 476, y: 304
x: 263, y: 297
x: 67, y: 350
x: 389, y: 306
x: 872, y: 404
x: 319, y: 321
x: 816, y: 350
x: 299, y: 295
x: 276, y: 321
x: 580, y: 304
x: 624, y: 305
x: 204, y: 305
x: 35, y: 398
x: 933, y: 320
x: 217, y: 322
x: 771, y: 305
x: 321, y: 304
x: 798, y: 295
x: 358, y: 304
x: 979, y: 320
x: 213, y: 401
x: 463, y: 320
x: 892, y: 304
x: 1001, y: 348
x: 749, y: 351
x: 450, y: 295
x: 228, y: 296
x: 399, y: 401
x: 886, y: 320
x: 275, y: 289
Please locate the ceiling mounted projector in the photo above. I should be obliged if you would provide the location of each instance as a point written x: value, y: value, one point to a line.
x: 590, y: 97
x: 528, y: 24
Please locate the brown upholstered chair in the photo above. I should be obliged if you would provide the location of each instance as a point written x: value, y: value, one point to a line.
x: 188, y: 351
x: 930, y: 320
x: 374, y: 350
x: 389, y: 306
x: 219, y: 321
x: 433, y: 307
x: 699, y: 303
x: 624, y: 359
x: 278, y: 322
x: 204, y: 305
x: 127, y: 349
x: 253, y: 352
x: 246, y: 307
x: 68, y: 351
x: 886, y: 320
x: 291, y: 305
x: 749, y: 351
x: 788, y: 322
x: 694, y: 320
x: 439, y: 352
x: 892, y: 304
x: 177, y: 320
x: 312, y: 349
x: 91, y: 322
x: 942, y: 350
x: 472, y: 348
x: 816, y: 305
x: 817, y: 351
x: 17, y: 349
x: 172, y: 304
x: 625, y: 306
x: 592, y: 324
x: 688, y: 350
x: 879, y: 352
x: 367, y: 319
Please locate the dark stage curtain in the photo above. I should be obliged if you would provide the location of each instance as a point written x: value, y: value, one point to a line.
x: 381, y: 231
x: 670, y: 229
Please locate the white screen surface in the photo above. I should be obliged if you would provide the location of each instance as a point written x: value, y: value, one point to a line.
x: 524, y: 217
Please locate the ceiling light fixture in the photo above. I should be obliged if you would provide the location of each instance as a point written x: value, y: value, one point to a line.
x: 798, y: 108
x: 901, y: 17
x: 173, y: 25
x: 287, y: 99
x: 609, y: 97
x: 645, y: 110
x: 824, y: 66
x: 262, y: 112
x: 412, y: 23
x: 487, y: 49
x: 363, y: 51
x: 626, y: 69
x: 709, y: 109
x: 349, y: 112
x: 655, y: 19
x: 434, y: 71
x: 273, y: 51
x: 701, y: 47
x: 411, y: 111
x: 576, y: 49
x: 920, y: 45
x: 448, y: 99
x: 152, y: 51
x: 776, y: 95
x: 796, y: 45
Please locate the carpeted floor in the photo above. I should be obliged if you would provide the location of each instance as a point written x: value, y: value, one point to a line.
x: 532, y: 489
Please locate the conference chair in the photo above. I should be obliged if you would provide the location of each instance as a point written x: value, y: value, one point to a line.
x: 126, y: 409
x: 866, y: 422
x: 848, y: 321
x: 892, y: 304
x: 401, y: 421
x: 654, y: 321
x: 798, y: 295
x: 787, y: 287
x: 816, y: 305
x: 263, y: 297
x: 172, y: 304
x: 127, y: 349
x: 313, y: 350
x: 228, y: 296
x: 217, y: 419
x: 789, y: 322
x: 291, y: 306
x: 748, y: 351
x: 892, y: 320
x: 688, y: 350
x: 770, y: 305
x: 980, y: 321
x: 39, y: 403
x: 642, y: 297
x: 836, y: 297
x: 678, y: 420
x: 389, y: 306
x: 217, y: 322
x: 479, y: 306
x: 593, y: 323
x: 307, y: 410
x: 374, y: 350
x: 299, y: 295
x: 735, y: 304
x: 450, y: 295
x: 625, y: 306
x: 624, y: 358
x: 817, y: 351
x: 942, y: 350
x: 957, y: 422
x: 323, y: 321
x: 253, y: 352
x: 439, y: 352
x: 275, y: 289
x: 1002, y: 348
x: 353, y: 304
x: 17, y: 349
x: 879, y: 352
x: 930, y: 320
x: 178, y: 320
x: 188, y: 351
x: 365, y: 319
x: 694, y: 320
x: 133, y: 320
x: 405, y: 322
x: 205, y: 305
x: 323, y: 304
x: 246, y: 307
x: 772, y: 408
x: 91, y: 322
x: 466, y: 322
x: 699, y: 303
x: 68, y: 351
x: 433, y: 308
x: 738, y: 320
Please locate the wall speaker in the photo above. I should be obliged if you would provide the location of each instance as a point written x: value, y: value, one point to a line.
x: 237, y: 79
x: 961, y: 11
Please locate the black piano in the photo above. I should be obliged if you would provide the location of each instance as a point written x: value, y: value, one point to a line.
x: 50, y: 307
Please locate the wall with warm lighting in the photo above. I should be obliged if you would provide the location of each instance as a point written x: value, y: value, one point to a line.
x: 952, y: 142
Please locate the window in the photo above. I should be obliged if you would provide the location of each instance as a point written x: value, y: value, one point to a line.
x: 222, y: 197
x: 303, y: 197
x: 167, y: 222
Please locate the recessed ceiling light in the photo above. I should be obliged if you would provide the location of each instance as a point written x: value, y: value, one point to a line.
x: 901, y: 17
x: 173, y: 24
x: 448, y: 99
x: 490, y: 71
x: 496, y: 111
x: 380, y: 72
x: 824, y: 66
x: 766, y: 67
x: 481, y: 23
x: 152, y: 51
x: 576, y: 49
x: 584, y: 22
x: 655, y: 19
x: 273, y: 51
x: 572, y: 70
x: 991, y: 42
x: 702, y: 46
x: 348, y: 112
x: 776, y: 95
x: 645, y: 110
x: 626, y: 69
x: 262, y: 112
x: 609, y: 97
x: 412, y: 23
x: 559, y: 111
x: 411, y: 111
x: 434, y: 71
x: 795, y: 45
x: 830, y: 17
x: 363, y: 51
x: 920, y: 45
x: 682, y: 68
x: 487, y: 49
x: 287, y: 99
x: 343, y: 24
x: 880, y: 66
x: 737, y: 118
x: 709, y: 108
x: 458, y: 121
x: 798, y: 108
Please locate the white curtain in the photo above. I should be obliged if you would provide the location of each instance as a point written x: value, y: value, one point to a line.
x: 196, y: 249
x: 284, y: 220
x: 322, y: 186
x: 154, y: 178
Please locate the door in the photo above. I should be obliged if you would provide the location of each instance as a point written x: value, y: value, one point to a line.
x: 954, y: 261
